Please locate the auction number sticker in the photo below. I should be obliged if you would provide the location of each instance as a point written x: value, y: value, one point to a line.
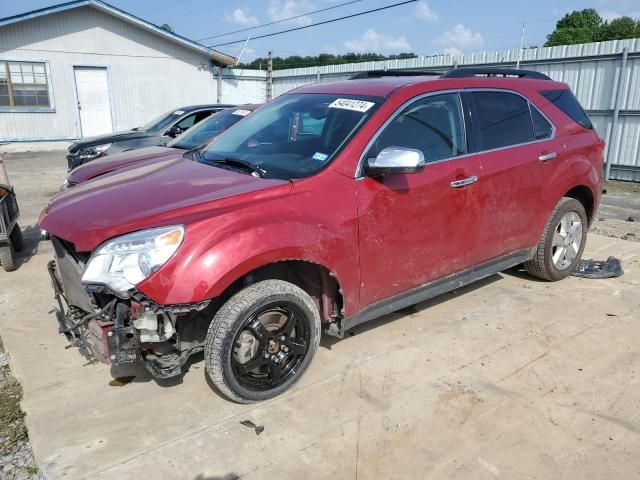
x: 242, y: 113
x: 350, y: 104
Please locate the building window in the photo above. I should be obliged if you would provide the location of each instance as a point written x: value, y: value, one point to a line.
x: 24, y: 85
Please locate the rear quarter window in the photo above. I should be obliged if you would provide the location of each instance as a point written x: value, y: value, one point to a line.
x: 566, y: 101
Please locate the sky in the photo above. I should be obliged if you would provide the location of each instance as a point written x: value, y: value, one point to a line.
x: 425, y: 27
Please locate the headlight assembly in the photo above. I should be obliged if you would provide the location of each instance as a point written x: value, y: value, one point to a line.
x: 93, y: 152
x: 123, y: 262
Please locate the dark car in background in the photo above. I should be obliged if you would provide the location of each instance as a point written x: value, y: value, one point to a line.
x: 197, y: 137
x: 158, y: 131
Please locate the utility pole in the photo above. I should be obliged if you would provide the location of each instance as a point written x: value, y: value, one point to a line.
x: 270, y: 77
x: 521, y: 47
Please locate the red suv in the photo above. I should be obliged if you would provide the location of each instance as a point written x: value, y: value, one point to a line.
x: 332, y: 205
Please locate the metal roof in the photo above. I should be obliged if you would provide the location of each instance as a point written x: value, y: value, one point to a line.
x: 216, y: 56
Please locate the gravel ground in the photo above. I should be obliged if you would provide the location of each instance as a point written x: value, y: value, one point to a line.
x: 16, y: 457
x: 619, y: 214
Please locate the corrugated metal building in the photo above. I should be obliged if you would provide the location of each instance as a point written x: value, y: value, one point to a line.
x: 605, y: 77
x: 85, y: 67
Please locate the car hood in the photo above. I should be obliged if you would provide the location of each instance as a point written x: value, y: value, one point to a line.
x: 172, y: 190
x: 107, y: 138
x: 119, y: 161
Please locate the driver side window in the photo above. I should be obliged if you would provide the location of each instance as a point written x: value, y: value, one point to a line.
x: 432, y: 125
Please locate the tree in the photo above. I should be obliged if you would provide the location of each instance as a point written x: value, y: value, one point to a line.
x: 619, y: 29
x: 576, y: 27
x: 588, y: 26
x: 297, y: 61
x: 167, y: 27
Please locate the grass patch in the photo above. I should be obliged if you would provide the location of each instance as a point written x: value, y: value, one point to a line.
x: 12, y: 428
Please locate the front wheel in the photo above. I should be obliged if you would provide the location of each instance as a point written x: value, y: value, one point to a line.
x: 262, y: 340
x: 562, y: 243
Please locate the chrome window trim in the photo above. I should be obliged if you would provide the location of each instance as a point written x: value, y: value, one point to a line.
x: 359, y: 173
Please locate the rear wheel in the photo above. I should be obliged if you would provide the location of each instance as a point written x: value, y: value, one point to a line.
x: 562, y: 242
x: 8, y: 257
x: 262, y: 340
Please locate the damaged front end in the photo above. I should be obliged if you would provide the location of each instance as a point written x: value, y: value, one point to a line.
x: 122, y: 327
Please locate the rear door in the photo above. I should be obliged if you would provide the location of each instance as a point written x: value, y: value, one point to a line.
x: 415, y: 228
x: 518, y: 154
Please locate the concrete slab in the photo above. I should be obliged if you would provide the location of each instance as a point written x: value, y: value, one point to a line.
x: 509, y: 377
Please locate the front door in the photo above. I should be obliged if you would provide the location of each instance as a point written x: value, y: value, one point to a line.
x: 94, y: 103
x: 416, y: 228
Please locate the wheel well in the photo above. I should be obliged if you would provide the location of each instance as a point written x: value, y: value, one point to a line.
x: 584, y: 195
x: 319, y: 282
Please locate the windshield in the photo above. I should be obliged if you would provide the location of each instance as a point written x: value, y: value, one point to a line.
x: 294, y: 136
x: 208, y: 129
x: 162, y: 121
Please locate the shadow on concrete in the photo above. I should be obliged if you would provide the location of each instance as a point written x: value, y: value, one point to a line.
x: 30, y: 240
x: 328, y: 341
x: 228, y: 476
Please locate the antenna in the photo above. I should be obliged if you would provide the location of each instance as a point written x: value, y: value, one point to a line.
x: 521, y: 47
x: 242, y: 51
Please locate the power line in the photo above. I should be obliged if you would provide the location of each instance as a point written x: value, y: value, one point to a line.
x: 316, y: 24
x: 279, y: 21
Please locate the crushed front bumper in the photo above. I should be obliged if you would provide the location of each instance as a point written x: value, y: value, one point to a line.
x: 103, y: 326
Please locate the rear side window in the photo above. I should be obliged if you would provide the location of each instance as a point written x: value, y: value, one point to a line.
x: 566, y: 101
x: 502, y: 119
x: 541, y: 127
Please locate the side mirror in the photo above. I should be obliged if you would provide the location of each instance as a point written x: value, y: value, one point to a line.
x: 395, y: 160
x: 174, y: 131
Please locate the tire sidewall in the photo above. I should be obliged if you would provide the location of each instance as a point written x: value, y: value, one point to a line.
x: 310, y: 313
x: 571, y: 205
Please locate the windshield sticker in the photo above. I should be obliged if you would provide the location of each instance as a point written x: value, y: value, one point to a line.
x: 242, y: 113
x: 321, y: 157
x: 178, y: 112
x: 350, y: 104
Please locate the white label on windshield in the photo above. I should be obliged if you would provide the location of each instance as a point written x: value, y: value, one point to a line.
x: 242, y: 113
x: 178, y: 112
x: 349, y: 104
x: 321, y: 157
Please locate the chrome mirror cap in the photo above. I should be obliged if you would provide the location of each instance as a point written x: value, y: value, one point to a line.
x: 396, y: 160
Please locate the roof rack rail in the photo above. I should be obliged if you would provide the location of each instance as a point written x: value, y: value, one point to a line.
x: 393, y: 73
x: 467, y: 72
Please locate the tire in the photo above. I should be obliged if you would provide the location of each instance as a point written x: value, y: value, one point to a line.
x: 16, y: 238
x: 8, y: 257
x: 550, y: 262
x: 241, y: 336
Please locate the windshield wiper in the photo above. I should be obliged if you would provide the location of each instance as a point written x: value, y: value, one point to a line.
x: 255, y: 170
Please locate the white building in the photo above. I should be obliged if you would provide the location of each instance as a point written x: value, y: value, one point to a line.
x: 85, y: 67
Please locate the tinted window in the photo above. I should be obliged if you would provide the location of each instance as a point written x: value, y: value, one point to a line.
x: 433, y: 125
x: 208, y: 129
x: 502, y: 119
x: 271, y: 140
x: 541, y: 126
x: 566, y: 101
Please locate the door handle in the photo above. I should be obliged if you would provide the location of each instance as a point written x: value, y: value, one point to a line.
x: 464, y: 182
x: 548, y: 156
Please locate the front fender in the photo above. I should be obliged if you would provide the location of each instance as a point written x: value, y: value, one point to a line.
x: 302, y: 226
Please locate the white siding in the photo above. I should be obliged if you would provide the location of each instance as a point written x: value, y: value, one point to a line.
x: 148, y: 74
